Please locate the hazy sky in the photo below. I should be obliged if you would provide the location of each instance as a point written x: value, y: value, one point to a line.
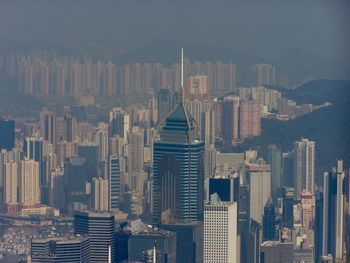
x: 264, y: 28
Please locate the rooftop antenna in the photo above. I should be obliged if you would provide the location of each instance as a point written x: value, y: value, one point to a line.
x: 181, y: 95
x: 182, y: 67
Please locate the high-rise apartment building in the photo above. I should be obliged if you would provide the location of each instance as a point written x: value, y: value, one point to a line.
x: 249, y: 119
x: 230, y: 121
x: 220, y: 232
x: 28, y: 183
x: 10, y: 183
x: 304, y: 166
x: 100, y: 194
x: 265, y: 74
x: 99, y: 227
x: 197, y: 88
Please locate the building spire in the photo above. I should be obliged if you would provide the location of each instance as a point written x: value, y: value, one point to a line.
x: 181, y: 93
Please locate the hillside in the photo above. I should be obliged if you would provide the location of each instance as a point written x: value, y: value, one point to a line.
x: 329, y: 127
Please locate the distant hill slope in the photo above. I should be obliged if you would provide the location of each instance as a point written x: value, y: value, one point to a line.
x: 329, y: 127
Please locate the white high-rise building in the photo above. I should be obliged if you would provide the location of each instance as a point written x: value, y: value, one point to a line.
x: 101, y: 139
x: 11, y: 183
x: 28, y: 183
x: 100, y: 194
x: 304, y: 166
x: 220, y: 232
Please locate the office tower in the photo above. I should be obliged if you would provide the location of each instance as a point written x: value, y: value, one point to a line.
x: 99, y: 194
x: 101, y: 140
x: 318, y: 226
x: 71, y: 128
x: 249, y: 119
x: 220, y: 232
x: 56, y: 189
x: 164, y: 243
x: 7, y: 131
x: 264, y: 74
x: 333, y: 213
x: 28, y: 183
x: 197, y: 88
x: 287, y: 210
x: 189, y: 241
x: 304, y: 166
x: 48, y: 125
x: 10, y: 177
x: 275, y: 160
x: 253, y: 242
x: 307, y: 209
x: 75, y: 178
x: 60, y: 249
x: 217, y: 111
x: 207, y: 129
x: 288, y: 169
x: 114, y: 182
x: 227, y: 188
x: 136, y: 146
x: 121, y: 245
x: 230, y: 121
x: 99, y: 227
x: 259, y: 178
x: 269, y: 222
x: 89, y: 152
x: 277, y: 252
x: 34, y: 149
x: 178, y: 179
x: 119, y: 123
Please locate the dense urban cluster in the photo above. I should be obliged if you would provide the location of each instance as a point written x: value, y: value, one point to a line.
x: 161, y: 180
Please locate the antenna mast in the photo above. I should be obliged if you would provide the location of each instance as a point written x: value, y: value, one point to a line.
x: 182, y: 67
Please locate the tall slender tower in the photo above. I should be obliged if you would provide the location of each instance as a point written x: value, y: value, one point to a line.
x: 333, y: 213
x: 178, y: 179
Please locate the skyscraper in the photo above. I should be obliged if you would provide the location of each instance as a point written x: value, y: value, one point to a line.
x: 259, y: 178
x: 304, y: 166
x: 333, y: 213
x: 276, y: 252
x: 227, y: 188
x: 7, y: 131
x: 275, y: 160
x: 114, y: 182
x: 100, y: 194
x: 318, y: 226
x: 119, y: 123
x: 269, y: 222
x: 265, y: 74
x: 287, y: 210
x: 220, y: 232
x: 230, y: 121
x: 249, y: 119
x: 28, y: 183
x: 178, y: 179
x: 10, y: 184
x: 48, y: 125
x: 99, y: 227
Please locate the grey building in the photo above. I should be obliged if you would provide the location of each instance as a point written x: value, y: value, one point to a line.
x: 99, y: 227
x: 164, y: 243
x: 276, y: 252
x: 60, y: 250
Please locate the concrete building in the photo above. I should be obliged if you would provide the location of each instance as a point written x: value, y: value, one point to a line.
x: 304, y: 166
x: 220, y: 232
x: 28, y: 183
x: 276, y: 252
x: 100, y: 188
